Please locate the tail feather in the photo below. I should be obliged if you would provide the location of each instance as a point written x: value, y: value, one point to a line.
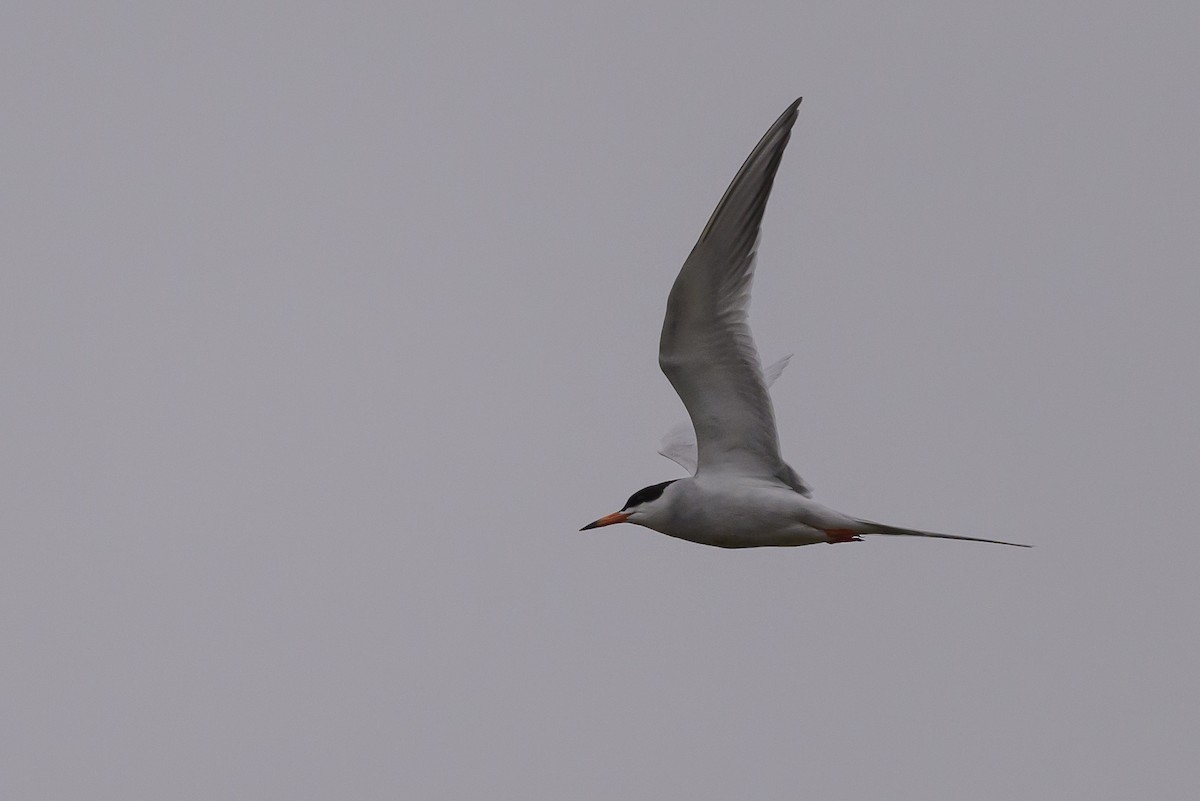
x: 895, y: 531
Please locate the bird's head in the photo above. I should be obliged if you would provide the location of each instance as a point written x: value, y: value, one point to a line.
x: 644, y: 507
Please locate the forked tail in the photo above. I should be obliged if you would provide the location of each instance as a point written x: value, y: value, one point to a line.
x: 894, y: 531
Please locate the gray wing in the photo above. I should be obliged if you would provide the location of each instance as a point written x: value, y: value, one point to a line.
x: 679, y: 444
x: 706, y: 349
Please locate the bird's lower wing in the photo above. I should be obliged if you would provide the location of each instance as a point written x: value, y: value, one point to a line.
x: 679, y: 443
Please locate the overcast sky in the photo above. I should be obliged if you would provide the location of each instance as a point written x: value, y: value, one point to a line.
x: 323, y: 328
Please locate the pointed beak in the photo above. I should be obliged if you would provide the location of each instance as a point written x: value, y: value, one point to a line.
x: 607, y: 520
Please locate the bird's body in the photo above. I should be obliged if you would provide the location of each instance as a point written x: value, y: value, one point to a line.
x: 741, y: 512
x: 742, y: 493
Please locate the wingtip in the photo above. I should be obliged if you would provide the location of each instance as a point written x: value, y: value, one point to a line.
x: 793, y: 110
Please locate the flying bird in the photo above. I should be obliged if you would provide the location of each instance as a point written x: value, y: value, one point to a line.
x: 741, y: 494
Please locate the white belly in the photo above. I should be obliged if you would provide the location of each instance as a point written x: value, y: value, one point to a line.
x: 746, y: 515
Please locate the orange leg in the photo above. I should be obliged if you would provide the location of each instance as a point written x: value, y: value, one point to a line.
x: 836, y: 535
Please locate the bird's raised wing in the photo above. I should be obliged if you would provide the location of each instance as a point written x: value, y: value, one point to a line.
x: 679, y: 444
x: 706, y: 349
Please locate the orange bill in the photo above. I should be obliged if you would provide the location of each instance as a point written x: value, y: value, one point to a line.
x: 607, y: 520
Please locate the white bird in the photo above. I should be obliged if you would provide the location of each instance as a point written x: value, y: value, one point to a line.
x: 742, y: 493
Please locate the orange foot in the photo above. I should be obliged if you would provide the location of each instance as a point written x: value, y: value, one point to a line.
x: 836, y: 535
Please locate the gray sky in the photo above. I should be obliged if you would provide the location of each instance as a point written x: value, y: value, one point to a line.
x: 323, y: 330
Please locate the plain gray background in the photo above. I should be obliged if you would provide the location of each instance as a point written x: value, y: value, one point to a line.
x: 323, y: 328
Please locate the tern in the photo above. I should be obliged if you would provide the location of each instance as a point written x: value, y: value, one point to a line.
x: 741, y: 494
